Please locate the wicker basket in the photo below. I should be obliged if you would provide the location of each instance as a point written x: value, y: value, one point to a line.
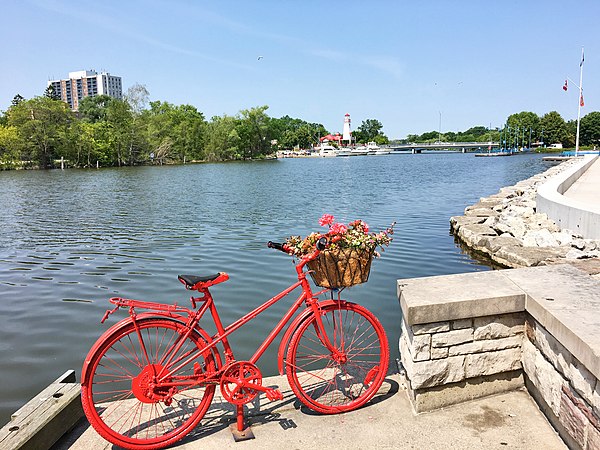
x: 341, y: 267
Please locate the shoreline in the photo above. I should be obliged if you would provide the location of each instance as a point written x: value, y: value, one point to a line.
x: 507, y: 228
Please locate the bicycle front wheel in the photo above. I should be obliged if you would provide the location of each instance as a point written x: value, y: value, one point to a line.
x: 345, y: 379
x: 123, y: 398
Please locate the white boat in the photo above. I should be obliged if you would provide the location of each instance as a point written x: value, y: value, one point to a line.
x: 374, y: 149
x: 344, y: 151
x: 327, y: 150
x: 361, y: 150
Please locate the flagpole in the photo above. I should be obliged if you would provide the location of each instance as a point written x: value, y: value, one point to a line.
x: 579, y: 102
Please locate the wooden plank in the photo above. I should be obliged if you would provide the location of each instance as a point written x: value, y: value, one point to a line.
x: 45, y: 418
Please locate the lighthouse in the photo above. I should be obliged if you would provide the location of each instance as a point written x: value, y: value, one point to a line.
x: 346, y: 135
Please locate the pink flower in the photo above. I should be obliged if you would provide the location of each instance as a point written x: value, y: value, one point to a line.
x: 326, y: 219
x: 365, y: 227
x: 338, y: 228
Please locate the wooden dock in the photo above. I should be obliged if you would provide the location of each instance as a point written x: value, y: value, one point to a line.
x: 45, y: 418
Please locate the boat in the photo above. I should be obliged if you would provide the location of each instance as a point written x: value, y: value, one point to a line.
x: 344, y: 151
x: 327, y: 150
x: 374, y: 149
x: 361, y: 150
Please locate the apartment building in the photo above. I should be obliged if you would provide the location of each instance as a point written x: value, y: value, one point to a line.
x: 86, y: 83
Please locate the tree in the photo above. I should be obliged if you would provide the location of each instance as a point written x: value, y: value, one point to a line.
x: 554, y: 128
x: 222, y: 139
x: 253, y: 131
x: 520, y: 126
x: 9, y: 139
x: 51, y: 93
x: 94, y: 109
x: 17, y: 99
x: 590, y: 129
x: 42, y: 124
x: 369, y: 129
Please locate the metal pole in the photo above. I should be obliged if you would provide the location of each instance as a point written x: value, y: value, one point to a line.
x: 579, y: 103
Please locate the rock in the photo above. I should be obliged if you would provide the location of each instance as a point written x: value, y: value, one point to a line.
x: 458, y: 221
x: 563, y: 237
x: 473, y: 234
x: 480, y: 212
x: 579, y: 244
x: 539, y: 238
x: 519, y: 211
x: 515, y: 256
x: 575, y: 254
x: 511, y: 224
x: 490, y: 363
x: 495, y: 243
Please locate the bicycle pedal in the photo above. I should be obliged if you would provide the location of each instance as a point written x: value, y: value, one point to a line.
x: 274, y: 394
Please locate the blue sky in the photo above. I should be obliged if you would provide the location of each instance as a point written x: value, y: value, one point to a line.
x: 403, y: 63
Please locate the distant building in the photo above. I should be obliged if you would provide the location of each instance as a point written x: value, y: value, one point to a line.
x: 86, y: 83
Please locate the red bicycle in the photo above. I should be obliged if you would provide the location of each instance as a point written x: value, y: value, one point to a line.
x: 150, y: 378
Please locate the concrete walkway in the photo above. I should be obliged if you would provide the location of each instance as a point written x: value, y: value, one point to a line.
x: 506, y: 421
x: 587, y: 187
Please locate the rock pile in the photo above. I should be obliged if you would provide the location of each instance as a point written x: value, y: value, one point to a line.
x: 507, y: 228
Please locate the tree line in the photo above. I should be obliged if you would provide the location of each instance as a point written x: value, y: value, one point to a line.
x: 40, y: 131
x: 524, y: 129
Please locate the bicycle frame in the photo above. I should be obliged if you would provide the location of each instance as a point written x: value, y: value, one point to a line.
x: 193, y: 317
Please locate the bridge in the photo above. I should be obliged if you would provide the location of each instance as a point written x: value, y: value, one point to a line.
x: 457, y: 147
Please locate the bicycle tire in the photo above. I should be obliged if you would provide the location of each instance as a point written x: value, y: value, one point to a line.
x: 331, y: 385
x: 108, y: 396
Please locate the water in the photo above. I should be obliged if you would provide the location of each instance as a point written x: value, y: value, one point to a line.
x: 71, y: 239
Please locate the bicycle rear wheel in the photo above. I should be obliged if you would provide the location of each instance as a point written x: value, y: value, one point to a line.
x: 343, y: 380
x: 121, y: 399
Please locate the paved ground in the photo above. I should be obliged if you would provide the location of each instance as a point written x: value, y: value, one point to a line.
x: 506, y: 421
x: 587, y: 187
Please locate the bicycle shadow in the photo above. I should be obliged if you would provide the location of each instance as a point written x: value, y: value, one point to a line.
x: 260, y: 411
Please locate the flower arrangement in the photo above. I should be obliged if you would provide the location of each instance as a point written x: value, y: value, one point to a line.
x: 355, y: 235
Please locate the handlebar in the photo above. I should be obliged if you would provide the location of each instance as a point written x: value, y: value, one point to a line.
x: 320, y: 246
x: 277, y: 246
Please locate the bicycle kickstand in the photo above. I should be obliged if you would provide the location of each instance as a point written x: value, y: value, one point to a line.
x: 241, y: 431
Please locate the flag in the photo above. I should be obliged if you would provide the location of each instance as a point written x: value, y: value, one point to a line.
x: 582, y: 59
x: 581, y: 100
x: 565, y: 87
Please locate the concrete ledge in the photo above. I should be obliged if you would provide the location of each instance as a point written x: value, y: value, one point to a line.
x: 45, y: 418
x: 454, y: 297
x: 565, y: 301
x: 569, y: 213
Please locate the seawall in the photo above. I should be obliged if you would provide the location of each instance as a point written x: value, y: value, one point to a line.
x: 510, y: 227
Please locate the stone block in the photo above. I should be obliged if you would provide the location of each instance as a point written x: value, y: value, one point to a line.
x: 573, y: 420
x: 489, y: 363
x: 438, y: 353
x: 435, y: 327
x: 541, y: 373
x: 495, y: 327
x: 424, y: 374
x: 486, y: 346
x: 450, y: 338
x: 419, y: 346
x: 593, y: 438
x: 474, y: 234
x: 582, y: 380
x: 553, y: 350
x: 460, y: 324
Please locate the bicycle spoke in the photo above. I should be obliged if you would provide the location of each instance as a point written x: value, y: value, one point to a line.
x: 122, y: 403
x: 336, y: 381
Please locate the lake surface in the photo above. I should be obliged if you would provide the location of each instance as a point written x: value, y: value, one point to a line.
x: 71, y: 239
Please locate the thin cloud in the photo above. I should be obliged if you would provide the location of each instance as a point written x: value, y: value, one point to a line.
x: 109, y: 23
